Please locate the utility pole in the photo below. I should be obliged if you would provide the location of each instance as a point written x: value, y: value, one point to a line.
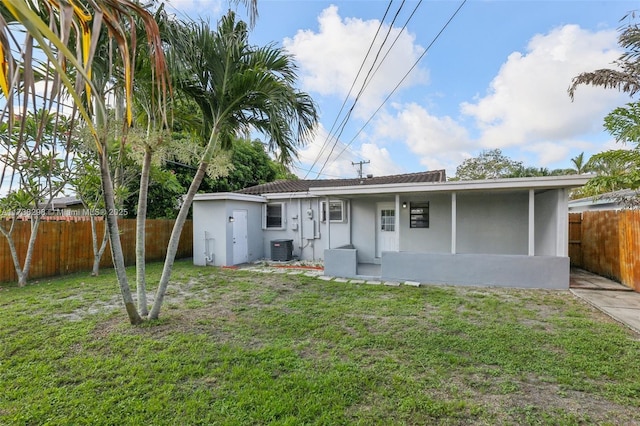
x: 360, y: 163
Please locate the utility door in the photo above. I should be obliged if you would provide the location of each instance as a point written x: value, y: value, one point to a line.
x: 240, y: 239
x: 386, y: 228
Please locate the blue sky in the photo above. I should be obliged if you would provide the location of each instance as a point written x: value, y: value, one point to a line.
x: 496, y: 77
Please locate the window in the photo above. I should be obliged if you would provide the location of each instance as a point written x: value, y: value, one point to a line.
x: 388, y: 220
x: 274, y: 216
x: 336, y: 211
x: 419, y: 215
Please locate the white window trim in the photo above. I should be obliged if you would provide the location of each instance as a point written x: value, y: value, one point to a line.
x: 323, y: 209
x: 283, y: 210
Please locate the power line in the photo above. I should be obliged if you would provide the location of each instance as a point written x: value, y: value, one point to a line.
x: 415, y: 9
x: 403, y: 78
x: 325, y: 143
x: 364, y: 84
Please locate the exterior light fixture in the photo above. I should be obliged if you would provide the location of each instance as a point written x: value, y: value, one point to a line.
x: 231, y: 219
x: 404, y: 205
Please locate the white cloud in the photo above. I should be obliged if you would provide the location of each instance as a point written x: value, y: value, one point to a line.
x: 527, y: 102
x: 314, y: 157
x: 381, y: 162
x: 439, y: 142
x: 526, y: 109
x: 329, y: 59
x: 549, y: 152
x: 342, y: 157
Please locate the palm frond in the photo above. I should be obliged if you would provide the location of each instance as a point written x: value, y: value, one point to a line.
x: 608, y: 79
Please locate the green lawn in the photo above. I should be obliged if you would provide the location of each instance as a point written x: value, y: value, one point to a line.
x: 241, y: 348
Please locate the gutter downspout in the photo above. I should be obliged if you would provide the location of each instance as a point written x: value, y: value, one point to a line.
x: 300, y: 223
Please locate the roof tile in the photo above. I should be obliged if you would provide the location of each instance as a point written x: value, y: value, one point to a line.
x: 284, y: 186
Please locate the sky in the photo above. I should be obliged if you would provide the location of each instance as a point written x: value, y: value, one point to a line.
x: 447, y: 79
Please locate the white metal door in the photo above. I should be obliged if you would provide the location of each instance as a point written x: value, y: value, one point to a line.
x: 240, y: 240
x: 386, y: 228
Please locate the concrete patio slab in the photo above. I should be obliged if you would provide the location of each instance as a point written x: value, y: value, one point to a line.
x: 614, y: 299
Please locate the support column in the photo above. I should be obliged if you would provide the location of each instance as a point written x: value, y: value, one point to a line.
x: 532, y: 223
x: 454, y: 222
x: 562, y: 220
x: 326, y: 216
x: 397, y: 222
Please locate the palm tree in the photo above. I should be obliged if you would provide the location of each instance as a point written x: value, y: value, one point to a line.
x: 580, y: 166
x: 153, y: 118
x: 238, y: 88
x: 618, y: 169
x: 627, y: 77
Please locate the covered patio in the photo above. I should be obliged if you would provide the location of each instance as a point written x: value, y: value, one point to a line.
x: 504, y: 232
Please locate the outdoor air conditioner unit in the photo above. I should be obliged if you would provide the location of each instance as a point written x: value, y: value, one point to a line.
x: 281, y: 250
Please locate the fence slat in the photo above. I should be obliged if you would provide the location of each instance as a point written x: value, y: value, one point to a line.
x: 65, y: 247
x: 609, y: 244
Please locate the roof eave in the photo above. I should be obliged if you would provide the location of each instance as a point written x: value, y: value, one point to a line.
x: 233, y: 196
x: 545, y: 182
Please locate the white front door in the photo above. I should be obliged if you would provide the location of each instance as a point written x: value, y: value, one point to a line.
x: 240, y: 240
x: 386, y: 228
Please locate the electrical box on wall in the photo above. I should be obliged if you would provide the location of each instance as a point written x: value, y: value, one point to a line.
x: 309, y: 229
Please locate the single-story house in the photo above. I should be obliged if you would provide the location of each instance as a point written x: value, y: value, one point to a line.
x: 410, y: 227
x: 609, y: 201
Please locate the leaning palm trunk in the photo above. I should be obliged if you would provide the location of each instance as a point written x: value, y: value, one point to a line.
x: 141, y: 220
x: 237, y: 88
x: 174, y: 240
x: 114, y: 238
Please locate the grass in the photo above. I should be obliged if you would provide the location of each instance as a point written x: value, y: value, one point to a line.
x: 234, y: 347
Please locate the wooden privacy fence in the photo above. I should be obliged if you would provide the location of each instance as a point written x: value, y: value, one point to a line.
x: 65, y: 247
x: 607, y: 243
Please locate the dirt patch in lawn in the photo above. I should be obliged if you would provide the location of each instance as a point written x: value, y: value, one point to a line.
x: 230, y: 307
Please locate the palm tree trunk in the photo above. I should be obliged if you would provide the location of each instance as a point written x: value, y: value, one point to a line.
x: 141, y: 220
x: 172, y: 247
x: 114, y: 237
x: 174, y: 241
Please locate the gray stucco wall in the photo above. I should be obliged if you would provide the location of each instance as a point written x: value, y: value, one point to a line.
x: 212, y: 217
x: 308, y: 232
x: 340, y: 262
x: 546, y: 223
x: 209, y: 217
x: 477, y: 269
x: 436, y: 238
x: 493, y: 223
x: 363, y: 214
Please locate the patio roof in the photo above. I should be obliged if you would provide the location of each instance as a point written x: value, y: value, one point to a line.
x: 536, y: 183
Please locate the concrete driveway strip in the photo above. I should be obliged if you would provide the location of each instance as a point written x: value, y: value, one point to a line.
x: 623, y: 306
